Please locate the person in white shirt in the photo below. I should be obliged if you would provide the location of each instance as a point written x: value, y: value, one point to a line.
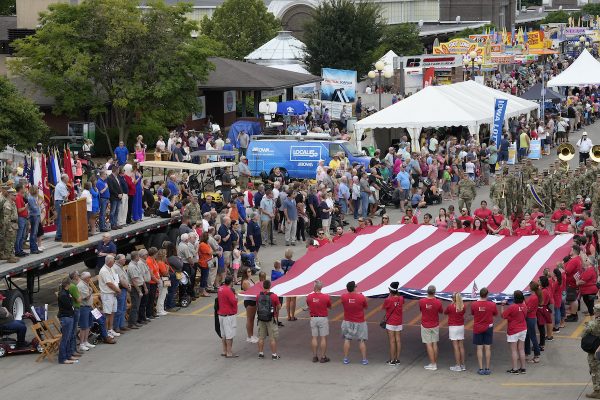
x: 85, y: 194
x: 433, y: 143
x: 108, y: 283
x: 470, y: 169
x: 160, y: 144
x: 584, y: 145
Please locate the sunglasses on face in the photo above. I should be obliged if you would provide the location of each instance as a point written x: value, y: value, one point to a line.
x: 321, y: 233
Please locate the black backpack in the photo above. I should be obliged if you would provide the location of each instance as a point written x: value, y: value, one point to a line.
x: 264, y: 308
x: 590, y: 343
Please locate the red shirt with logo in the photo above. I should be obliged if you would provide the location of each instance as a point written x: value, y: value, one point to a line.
x: 483, y: 312
x: 572, y: 267
x: 455, y: 318
x: 431, y: 308
x: 393, y: 309
x: 354, y: 306
x: 515, y: 316
x: 318, y: 304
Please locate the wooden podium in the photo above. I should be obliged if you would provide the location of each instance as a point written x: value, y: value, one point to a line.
x: 74, y: 221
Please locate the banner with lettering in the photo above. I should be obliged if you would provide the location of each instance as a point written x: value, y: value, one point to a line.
x: 499, y: 111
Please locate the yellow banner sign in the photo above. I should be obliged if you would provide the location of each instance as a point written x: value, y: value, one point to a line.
x: 459, y: 46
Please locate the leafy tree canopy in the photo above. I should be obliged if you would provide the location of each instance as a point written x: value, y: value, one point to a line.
x: 240, y: 26
x: 21, y: 123
x: 343, y: 34
x: 114, y: 61
x: 557, y: 17
x: 8, y: 7
x: 403, y: 39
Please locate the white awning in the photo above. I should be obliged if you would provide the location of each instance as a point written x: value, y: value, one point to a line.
x: 584, y: 71
x: 461, y: 104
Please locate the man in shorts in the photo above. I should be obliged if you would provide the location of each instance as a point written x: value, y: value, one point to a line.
x: 354, y: 326
x: 319, y: 305
x: 483, y: 311
x: 108, y: 283
x: 227, y: 316
x: 431, y: 308
x: 266, y: 314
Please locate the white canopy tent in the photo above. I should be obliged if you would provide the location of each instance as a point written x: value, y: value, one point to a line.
x: 467, y: 104
x: 584, y: 71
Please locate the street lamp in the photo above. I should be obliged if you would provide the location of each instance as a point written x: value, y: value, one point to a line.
x: 379, y: 70
x: 582, y: 43
x: 473, y: 56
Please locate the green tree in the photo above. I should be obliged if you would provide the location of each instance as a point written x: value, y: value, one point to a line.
x: 8, y: 7
x: 403, y: 39
x: 557, y: 17
x: 115, y: 61
x: 591, y: 9
x: 240, y: 26
x: 343, y: 34
x: 21, y: 121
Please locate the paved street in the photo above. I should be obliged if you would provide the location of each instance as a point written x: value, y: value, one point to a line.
x: 177, y: 357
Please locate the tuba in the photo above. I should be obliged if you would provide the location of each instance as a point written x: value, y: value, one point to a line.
x: 566, y: 151
x: 595, y: 153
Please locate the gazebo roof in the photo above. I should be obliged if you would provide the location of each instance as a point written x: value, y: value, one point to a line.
x: 283, y: 47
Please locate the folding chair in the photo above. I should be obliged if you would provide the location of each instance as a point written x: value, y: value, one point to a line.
x: 48, y: 343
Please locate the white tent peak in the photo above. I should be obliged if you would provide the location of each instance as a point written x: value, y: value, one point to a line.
x: 388, y: 60
x: 282, y: 49
x: 584, y: 71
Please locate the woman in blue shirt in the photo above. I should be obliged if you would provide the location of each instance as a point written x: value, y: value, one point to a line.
x: 166, y: 204
x: 34, y: 218
x: 95, y: 205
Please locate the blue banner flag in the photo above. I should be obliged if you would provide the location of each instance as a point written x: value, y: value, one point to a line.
x: 499, y: 111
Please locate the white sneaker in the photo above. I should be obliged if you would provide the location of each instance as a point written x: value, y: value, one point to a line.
x: 431, y: 367
x: 83, y: 347
x: 113, y: 333
x: 463, y: 368
x: 253, y: 339
x: 162, y: 313
x: 89, y: 345
x: 455, y: 368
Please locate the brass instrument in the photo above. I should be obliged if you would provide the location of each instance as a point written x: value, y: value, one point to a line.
x: 595, y: 153
x: 566, y: 151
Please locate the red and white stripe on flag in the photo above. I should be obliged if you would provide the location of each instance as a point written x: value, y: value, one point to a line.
x: 418, y: 256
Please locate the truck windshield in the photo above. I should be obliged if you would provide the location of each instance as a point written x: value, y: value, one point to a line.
x: 351, y: 148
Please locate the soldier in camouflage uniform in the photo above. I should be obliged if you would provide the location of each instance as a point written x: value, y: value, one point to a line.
x: 593, y: 327
x: 9, y: 220
x: 193, y: 211
x: 466, y: 192
x: 547, y: 186
x: 498, y: 192
x: 511, y: 192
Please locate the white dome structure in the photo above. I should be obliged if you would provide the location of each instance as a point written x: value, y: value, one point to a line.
x: 282, y: 49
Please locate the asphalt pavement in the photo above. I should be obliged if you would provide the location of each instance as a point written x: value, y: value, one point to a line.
x: 178, y: 357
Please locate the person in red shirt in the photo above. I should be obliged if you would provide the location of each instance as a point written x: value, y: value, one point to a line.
x: 456, y: 330
x: 227, y: 316
x: 557, y: 289
x: 578, y: 207
x: 268, y: 327
x: 544, y: 312
x: 540, y: 228
x: 430, y: 308
x: 587, y: 286
x: 562, y: 211
x: 482, y: 214
x: 587, y: 221
x: 412, y: 218
x: 573, y: 267
x: 532, y: 303
x: 483, y: 311
x: 536, y: 214
x: 393, y: 321
x: 516, y: 331
x: 319, y: 305
x: 494, y: 220
x: 339, y: 232
x: 478, y: 228
x: 23, y: 217
x: 562, y: 226
x: 354, y: 326
x: 523, y: 230
x: 464, y: 216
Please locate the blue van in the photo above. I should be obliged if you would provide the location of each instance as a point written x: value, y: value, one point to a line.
x: 298, y: 155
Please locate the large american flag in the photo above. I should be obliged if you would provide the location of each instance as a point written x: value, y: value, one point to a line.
x: 418, y: 256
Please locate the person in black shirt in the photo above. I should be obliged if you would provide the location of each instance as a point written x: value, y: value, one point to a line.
x: 148, y: 197
x: 65, y: 315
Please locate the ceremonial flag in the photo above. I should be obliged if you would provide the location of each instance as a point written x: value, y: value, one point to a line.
x: 417, y: 256
x: 37, y: 172
x: 45, y: 188
x: 68, y: 167
x: 56, y: 167
x: 26, y: 169
x: 474, y: 290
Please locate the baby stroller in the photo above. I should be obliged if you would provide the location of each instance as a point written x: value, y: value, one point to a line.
x: 95, y: 332
x: 183, y: 292
x: 249, y: 261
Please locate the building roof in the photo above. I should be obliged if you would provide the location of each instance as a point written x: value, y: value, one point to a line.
x: 441, y: 28
x: 238, y: 75
x: 282, y: 48
x: 530, y: 16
